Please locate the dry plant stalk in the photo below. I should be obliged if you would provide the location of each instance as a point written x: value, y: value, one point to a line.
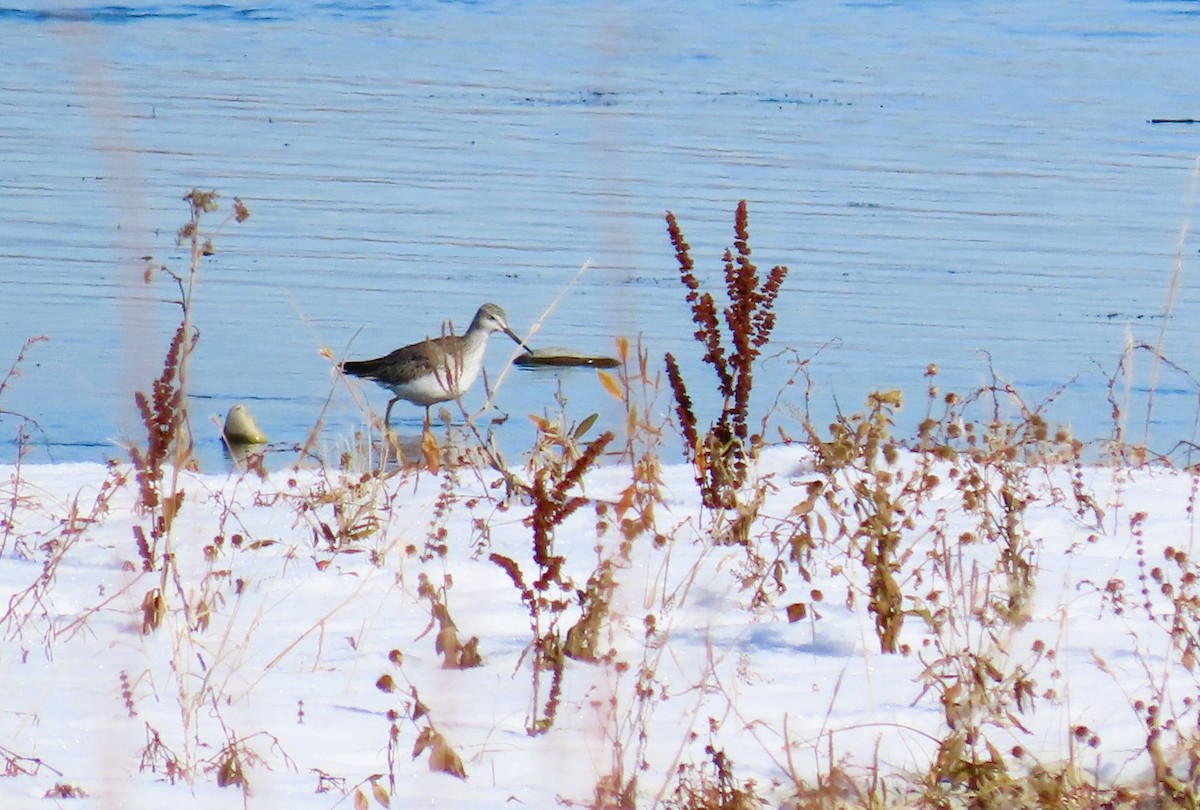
x: 29, y: 607
x: 721, y: 453
x: 164, y: 414
x: 456, y: 654
x: 14, y: 371
x: 868, y: 504
x: 442, y: 757
x: 712, y: 786
x: 549, y: 595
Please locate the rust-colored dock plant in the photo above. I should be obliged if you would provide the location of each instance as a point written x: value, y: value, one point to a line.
x: 721, y: 453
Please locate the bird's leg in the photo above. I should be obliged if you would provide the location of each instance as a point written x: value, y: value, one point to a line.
x: 387, y: 415
x: 428, y: 424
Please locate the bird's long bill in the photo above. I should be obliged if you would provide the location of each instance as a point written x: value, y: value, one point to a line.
x: 516, y: 339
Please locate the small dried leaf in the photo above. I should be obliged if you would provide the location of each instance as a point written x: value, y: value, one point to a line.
x: 610, y: 385
x: 430, y: 452
x: 381, y: 795
x: 446, y: 643
x: 423, y: 741
x: 804, y: 507
x: 360, y: 800
x: 419, y: 709
x: 153, y: 611
x: 797, y: 611
x: 468, y: 655
x: 625, y: 502
x: 230, y: 772
x: 442, y: 758
x: 385, y: 684
x: 584, y: 426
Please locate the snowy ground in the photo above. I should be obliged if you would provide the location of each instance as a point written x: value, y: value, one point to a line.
x: 289, y: 639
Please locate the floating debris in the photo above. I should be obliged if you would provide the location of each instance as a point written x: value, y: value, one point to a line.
x: 560, y: 357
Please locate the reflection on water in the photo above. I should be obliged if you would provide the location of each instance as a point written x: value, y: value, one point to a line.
x: 973, y: 186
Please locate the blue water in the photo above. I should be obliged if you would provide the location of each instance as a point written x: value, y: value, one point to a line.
x: 973, y: 185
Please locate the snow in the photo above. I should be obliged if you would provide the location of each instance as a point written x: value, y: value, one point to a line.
x: 297, y: 634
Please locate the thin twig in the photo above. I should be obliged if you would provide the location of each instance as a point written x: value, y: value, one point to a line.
x: 1172, y: 291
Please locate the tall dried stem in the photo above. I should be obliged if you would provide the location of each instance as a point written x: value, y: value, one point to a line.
x: 164, y: 412
x: 722, y: 452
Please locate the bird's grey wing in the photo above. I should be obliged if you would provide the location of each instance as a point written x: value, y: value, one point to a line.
x: 405, y: 363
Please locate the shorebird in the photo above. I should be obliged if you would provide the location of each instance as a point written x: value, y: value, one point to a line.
x: 435, y: 369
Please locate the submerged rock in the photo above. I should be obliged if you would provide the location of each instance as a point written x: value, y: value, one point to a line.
x: 240, y: 427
